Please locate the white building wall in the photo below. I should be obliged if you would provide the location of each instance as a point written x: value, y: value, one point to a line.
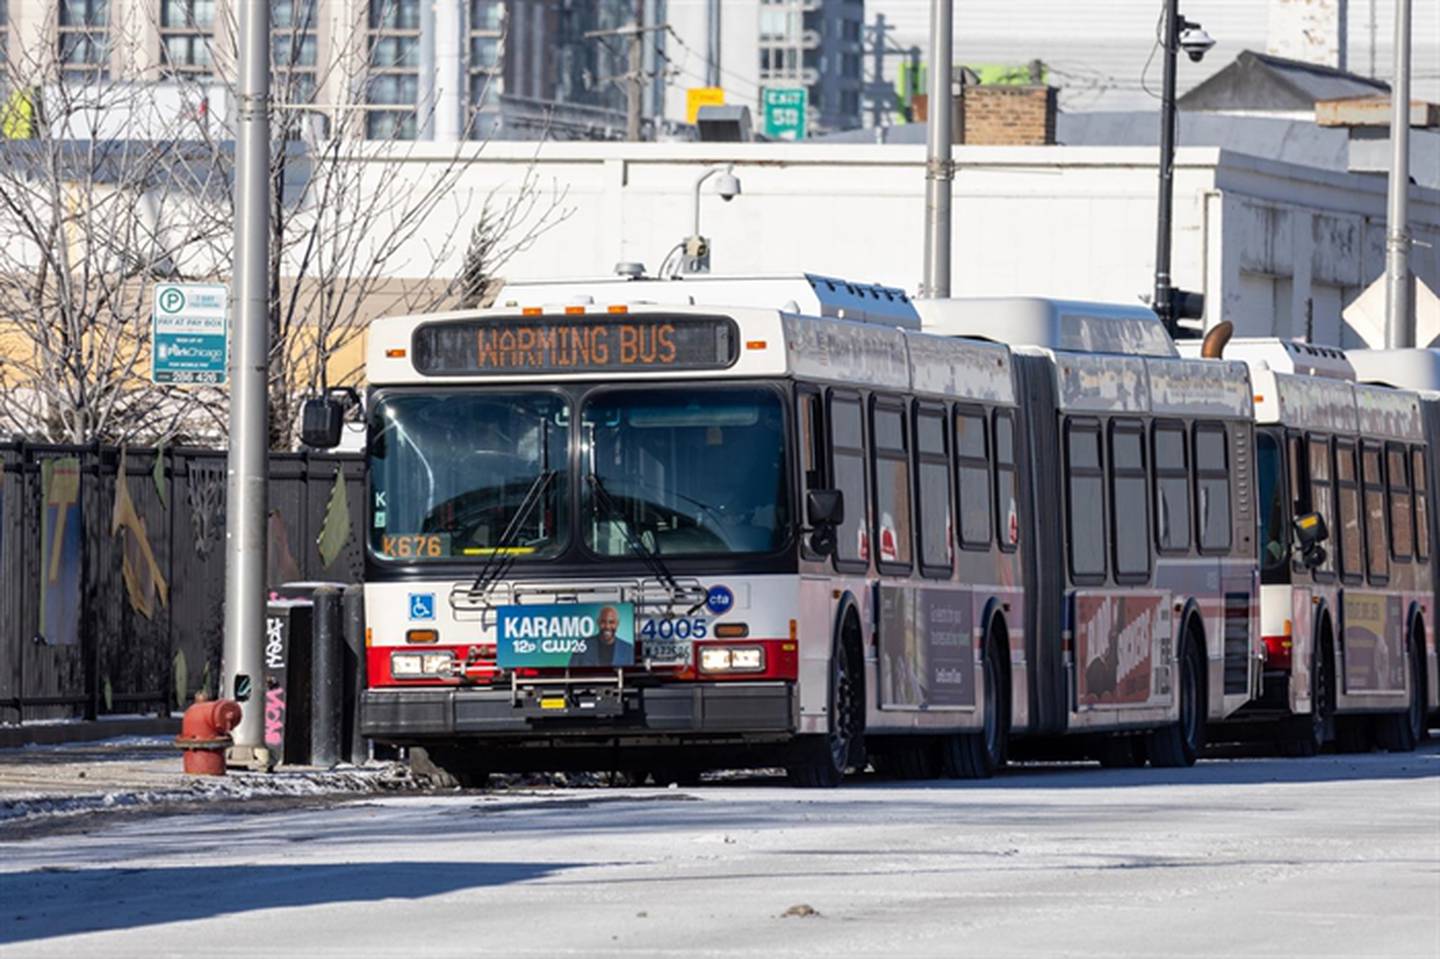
x: 1265, y: 241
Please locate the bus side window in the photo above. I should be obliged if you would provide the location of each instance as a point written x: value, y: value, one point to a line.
x: 847, y: 471
x: 932, y: 492
x: 1007, y: 482
x: 1422, y: 506
x: 1402, y: 530
x: 810, y: 436
x: 1322, y: 496
x: 972, y: 470
x: 1212, y: 488
x: 1085, y: 501
x: 1349, y: 542
x: 1172, y: 489
x: 890, y: 459
x: 1129, y: 506
x: 1377, y: 553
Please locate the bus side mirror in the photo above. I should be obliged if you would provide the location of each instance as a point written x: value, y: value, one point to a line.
x: 321, y: 420
x: 824, y: 510
x: 1310, y: 532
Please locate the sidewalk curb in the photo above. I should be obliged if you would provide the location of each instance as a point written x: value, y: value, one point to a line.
x: 85, y: 731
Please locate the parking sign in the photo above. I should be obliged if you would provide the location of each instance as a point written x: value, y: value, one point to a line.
x: 189, y: 338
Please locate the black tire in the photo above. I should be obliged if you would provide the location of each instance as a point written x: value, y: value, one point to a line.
x: 445, y: 769
x: 1354, y: 734
x: 978, y: 755
x: 912, y: 758
x: 1402, y: 732
x: 1179, y: 743
x: 820, y: 762
x: 1309, y: 734
x: 1121, y: 752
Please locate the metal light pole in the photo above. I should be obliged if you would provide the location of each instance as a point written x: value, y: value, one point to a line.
x: 1399, y: 315
x: 939, y: 168
x: 248, y: 468
x: 1169, y: 303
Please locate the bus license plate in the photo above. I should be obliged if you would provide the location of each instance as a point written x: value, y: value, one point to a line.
x: 668, y: 652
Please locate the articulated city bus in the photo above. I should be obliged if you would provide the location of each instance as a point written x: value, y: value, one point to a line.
x: 1346, y: 639
x: 618, y: 525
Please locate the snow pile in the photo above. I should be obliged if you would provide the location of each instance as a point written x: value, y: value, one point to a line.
x: 237, y: 786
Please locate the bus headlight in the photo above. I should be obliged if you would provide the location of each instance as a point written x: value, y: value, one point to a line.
x: 732, y: 659
x: 422, y: 665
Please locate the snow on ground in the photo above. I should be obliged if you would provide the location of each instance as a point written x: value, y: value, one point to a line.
x: 145, y: 771
x: 1333, y: 856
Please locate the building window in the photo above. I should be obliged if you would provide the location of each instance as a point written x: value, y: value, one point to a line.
x: 294, y: 50
x: 186, y: 27
x: 84, y: 40
x: 484, y: 48
x: 393, y: 87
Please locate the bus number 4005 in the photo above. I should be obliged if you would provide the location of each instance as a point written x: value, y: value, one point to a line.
x: 665, y: 629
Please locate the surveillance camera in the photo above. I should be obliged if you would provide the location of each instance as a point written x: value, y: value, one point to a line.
x: 728, y: 186
x: 1195, y: 42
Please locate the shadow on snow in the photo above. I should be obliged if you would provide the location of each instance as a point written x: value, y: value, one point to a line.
x: 50, y: 902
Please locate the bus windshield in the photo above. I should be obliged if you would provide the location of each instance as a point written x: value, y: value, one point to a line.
x: 688, y: 472
x: 450, y: 472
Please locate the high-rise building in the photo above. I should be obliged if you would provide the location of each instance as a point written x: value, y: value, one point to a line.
x: 415, y: 69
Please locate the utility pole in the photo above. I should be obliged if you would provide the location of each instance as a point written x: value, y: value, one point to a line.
x: 878, y: 100
x: 637, y: 74
x: 634, y: 76
x: 1399, y: 315
x: 1170, y: 304
x: 712, y: 38
x: 248, y: 466
x: 939, y: 168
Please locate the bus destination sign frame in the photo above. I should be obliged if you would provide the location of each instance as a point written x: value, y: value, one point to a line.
x: 559, y: 344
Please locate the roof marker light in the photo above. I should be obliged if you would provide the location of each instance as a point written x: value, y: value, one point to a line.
x: 530, y: 311
x: 396, y: 353
x: 574, y: 311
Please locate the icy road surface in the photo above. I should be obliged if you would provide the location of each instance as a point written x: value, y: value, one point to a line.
x: 1334, y: 856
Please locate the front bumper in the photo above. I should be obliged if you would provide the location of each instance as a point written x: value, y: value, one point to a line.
x: 691, y: 710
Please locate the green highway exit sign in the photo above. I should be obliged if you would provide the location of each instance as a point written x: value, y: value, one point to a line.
x: 785, y: 112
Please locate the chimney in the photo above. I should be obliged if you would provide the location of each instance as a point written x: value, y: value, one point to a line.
x: 1004, y: 115
x: 1309, y: 30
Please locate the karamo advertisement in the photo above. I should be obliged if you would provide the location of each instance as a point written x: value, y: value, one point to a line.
x: 561, y: 635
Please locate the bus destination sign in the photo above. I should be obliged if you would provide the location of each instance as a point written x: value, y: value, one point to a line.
x: 572, y: 344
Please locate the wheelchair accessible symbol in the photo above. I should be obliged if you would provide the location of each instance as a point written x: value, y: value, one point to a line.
x: 422, y: 606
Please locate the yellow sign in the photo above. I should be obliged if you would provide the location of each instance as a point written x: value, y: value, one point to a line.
x: 697, y: 97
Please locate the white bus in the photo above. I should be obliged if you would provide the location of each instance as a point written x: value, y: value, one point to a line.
x: 1349, y: 641
x: 617, y: 524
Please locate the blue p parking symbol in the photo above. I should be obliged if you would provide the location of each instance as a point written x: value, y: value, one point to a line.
x: 422, y: 606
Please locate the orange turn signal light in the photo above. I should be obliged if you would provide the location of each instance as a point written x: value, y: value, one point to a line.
x: 732, y: 630
x: 422, y: 636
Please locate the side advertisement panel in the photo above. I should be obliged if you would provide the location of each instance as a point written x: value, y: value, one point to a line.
x: 927, y: 657
x: 1117, y: 641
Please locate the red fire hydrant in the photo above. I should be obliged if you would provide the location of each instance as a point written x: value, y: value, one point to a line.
x: 205, y: 733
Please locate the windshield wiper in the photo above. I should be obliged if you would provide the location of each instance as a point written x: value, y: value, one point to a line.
x: 651, y: 558
x: 501, y: 556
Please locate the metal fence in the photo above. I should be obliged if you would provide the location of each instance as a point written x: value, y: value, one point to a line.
x: 112, y: 583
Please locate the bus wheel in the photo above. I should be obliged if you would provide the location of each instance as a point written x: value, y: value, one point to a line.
x: 1402, y: 732
x: 444, y: 769
x: 821, y: 761
x: 1121, y: 752
x: 1179, y: 743
x: 1310, y: 733
x: 979, y: 754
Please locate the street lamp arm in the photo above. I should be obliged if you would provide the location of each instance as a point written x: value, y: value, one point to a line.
x: 699, y: 182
